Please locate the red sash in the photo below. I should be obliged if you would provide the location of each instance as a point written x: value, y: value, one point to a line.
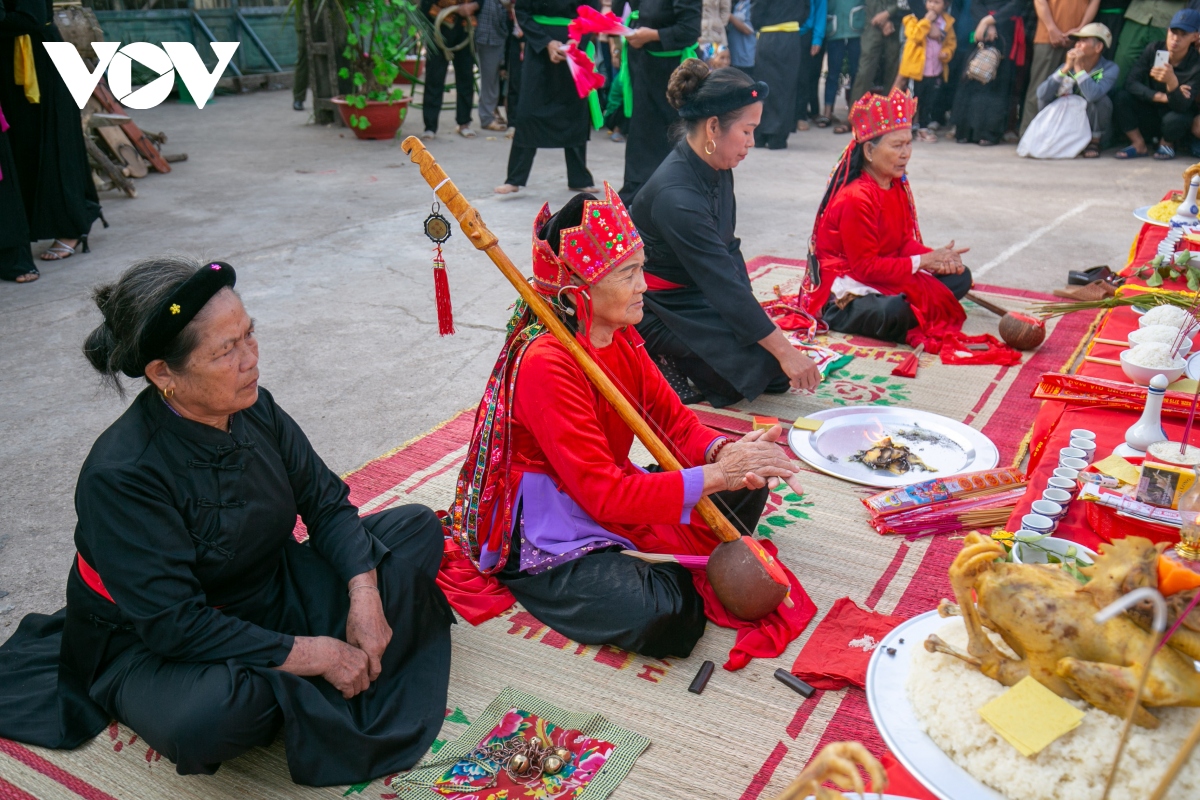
x: 92, y: 578
x: 657, y: 284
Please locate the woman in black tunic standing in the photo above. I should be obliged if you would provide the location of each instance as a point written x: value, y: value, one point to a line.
x: 777, y: 64
x: 701, y: 320
x: 550, y: 112
x: 193, y: 615
x: 663, y: 31
x: 980, y: 112
x: 57, y: 192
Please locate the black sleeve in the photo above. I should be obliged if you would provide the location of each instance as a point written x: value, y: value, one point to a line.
x: 23, y: 16
x: 132, y: 535
x: 323, y: 499
x: 711, y: 264
x: 534, y: 34
x: 685, y: 32
x: 1137, y: 82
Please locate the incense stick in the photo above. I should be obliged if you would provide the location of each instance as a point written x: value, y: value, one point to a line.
x: 1187, y: 429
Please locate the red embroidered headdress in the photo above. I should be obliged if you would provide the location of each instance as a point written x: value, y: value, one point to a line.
x: 604, y: 237
x: 874, y: 115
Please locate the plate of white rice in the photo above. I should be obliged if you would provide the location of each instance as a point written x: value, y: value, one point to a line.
x: 926, y: 706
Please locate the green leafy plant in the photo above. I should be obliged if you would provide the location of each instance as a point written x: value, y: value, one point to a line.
x: 1181, y: 267
x: 381, y: 34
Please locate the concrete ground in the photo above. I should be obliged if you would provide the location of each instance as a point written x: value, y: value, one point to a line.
x: 325, y: 232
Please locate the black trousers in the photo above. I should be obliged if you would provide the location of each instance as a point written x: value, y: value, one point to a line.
x: 605, y: 597
x: 435, y: 85
x: 200, y: 714
x: 927, y: 91
x: 808, y: 103
x: 1153, y: 120
x: 662, y: 341
x: 512, y: 77
x: 885, y: 317
x: 520, y: 162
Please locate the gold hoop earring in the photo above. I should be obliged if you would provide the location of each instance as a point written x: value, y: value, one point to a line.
x: 168, y: 393
x: 708, y: 152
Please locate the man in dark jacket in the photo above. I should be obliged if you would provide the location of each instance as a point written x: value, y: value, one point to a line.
x: 1159, y: 99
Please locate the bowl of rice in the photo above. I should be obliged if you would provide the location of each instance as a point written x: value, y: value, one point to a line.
x: 1166, y: 334
x: 1143, y: 362
x: 1167, y: 314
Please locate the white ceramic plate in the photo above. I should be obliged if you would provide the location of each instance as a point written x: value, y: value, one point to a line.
x: 946, y: 445
x: 1143, y: 214
x: 1192, y: 370
x: 897, y: 722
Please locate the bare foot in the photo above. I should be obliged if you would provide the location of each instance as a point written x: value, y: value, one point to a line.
x: 506, y: 188
x: 589, y: 189
x: 28, y: 277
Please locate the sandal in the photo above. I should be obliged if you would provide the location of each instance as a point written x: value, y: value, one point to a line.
x: 59, y: 249
x: 1164, y: 153
x: 25, y: 277
x: 495, y: 125
x: 1126, y: 153
x: 1096, y: 290
x: 466, y: 132
x: 841, y: 127
x: 1092, y: 150
x: 822, y: 122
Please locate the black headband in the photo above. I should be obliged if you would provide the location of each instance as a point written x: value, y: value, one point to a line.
x: 734, y: 98
x: 179, y: 308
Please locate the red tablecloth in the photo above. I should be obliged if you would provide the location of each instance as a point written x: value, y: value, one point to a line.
x: 1053, y: 425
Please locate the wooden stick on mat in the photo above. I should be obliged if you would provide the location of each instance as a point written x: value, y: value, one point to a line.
x: 1112, y: 362
x: 483, y: 239
x: 1116, y: 342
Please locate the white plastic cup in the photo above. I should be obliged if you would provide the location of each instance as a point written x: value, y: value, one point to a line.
x: 1077, y: 464
x: 1037, y: 523
x: 1067, y: 485
x: 1083, y: 433
x: 1067, y: 472
x: 1047, y: 508
x: 1056, y: 495
x: 1086, y: 445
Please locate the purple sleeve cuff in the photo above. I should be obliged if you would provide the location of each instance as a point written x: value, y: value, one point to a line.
x: 693, y: 490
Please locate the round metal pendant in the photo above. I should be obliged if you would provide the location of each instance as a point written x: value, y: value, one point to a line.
x: 437, y: 227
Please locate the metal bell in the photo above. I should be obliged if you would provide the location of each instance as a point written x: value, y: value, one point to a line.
x: 519, y: 764
x: 564, y: 754
x: 552, y: 765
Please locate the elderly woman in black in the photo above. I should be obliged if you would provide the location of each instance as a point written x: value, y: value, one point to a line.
x: 193, y: 615
x: 702, y: 322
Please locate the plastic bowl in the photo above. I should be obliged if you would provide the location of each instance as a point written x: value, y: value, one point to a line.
x: 1143, y: 375
x: 1023, y: 554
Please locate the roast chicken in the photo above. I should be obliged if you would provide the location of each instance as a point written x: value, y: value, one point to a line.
x: 1045, y: 616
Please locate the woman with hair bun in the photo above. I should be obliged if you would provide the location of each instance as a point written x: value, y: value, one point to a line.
x: 702, y: 322
x: 193, y: 615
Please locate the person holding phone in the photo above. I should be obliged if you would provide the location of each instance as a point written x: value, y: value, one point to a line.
x: 1159, y: 99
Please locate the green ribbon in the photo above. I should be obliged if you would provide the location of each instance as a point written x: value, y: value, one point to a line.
x: 560, y: 22
x: 594, y: 95
x: 623, y: 74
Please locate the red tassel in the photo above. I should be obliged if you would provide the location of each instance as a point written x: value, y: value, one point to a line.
x: 908, y: 367
x: 441, y: 292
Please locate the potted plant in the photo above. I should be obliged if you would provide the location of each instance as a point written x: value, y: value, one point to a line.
x: 381, y: 36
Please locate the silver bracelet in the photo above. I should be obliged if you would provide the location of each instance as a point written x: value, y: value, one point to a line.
x: 362, y: 586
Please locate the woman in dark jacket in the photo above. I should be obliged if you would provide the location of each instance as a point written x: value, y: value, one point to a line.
x: 193, y: 614
x: 702, y: 322
x: 981, y: 110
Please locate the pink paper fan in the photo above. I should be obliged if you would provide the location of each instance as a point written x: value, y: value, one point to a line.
x: 589, y: 21
x: 583, y: 70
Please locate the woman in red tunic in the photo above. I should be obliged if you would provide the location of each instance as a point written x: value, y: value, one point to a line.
x: 549, y: 497
x: 869, y: 272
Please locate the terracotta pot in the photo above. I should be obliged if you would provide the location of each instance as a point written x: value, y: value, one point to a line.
x: 410, y: 68
x: 384, y: 118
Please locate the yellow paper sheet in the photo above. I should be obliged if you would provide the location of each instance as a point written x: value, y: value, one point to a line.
x: 1029, y: 716
x: 1119, y: 468
x: 806, y: 424
x: 1186, y: 385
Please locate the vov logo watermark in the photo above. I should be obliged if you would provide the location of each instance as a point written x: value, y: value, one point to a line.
x: 172, y: 57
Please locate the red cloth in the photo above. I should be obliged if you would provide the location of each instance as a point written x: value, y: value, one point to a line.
x: 955, y: 351
x: 476, y: 597
x: 563, y: 428
x: 1053, y: 425
x: 870, y: 234
x: 837, y: 653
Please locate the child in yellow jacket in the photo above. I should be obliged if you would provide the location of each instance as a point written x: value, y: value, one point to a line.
x: 929, y: 45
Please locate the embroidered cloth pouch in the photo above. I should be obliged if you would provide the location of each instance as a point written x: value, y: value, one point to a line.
x: 601, y: 755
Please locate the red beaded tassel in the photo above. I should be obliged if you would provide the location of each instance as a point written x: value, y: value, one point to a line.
x: 441, y: 292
